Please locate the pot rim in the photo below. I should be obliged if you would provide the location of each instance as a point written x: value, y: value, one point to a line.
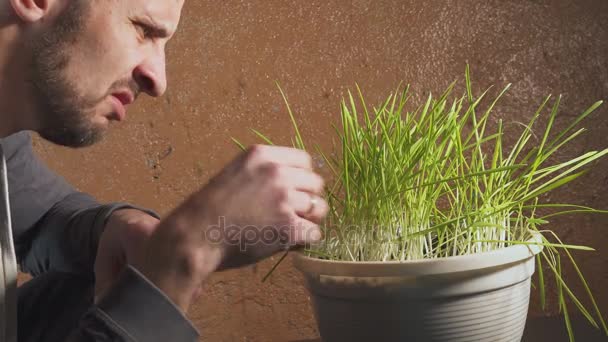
x: 420, y: 267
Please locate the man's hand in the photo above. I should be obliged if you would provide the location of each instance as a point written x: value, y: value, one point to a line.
x: 263, y: 201
x: 121, y: 243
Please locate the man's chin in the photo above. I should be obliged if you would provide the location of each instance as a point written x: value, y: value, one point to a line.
x: 74, y: 139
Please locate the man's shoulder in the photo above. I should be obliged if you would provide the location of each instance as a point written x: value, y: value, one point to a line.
x: 15, y: 142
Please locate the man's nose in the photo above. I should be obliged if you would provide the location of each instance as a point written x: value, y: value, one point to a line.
x: 151, y: 75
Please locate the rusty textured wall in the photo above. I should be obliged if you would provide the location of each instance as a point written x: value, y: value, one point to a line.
x: 222, y: 67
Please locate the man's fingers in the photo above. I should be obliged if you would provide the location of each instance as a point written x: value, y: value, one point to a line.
x: 197, y: 293
x: 308, y: 206
x: 262, y: 154
x: 302, y: 180
x: 304, y: 232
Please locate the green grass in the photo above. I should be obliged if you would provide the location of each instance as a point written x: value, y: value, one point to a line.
x: 439, y: 181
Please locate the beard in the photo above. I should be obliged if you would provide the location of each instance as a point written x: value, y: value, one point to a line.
x: 64, y: 116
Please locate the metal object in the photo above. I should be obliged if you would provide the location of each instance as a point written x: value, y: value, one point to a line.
x: 8, y: 263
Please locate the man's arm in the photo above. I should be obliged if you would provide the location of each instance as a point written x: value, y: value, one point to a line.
x: 55, y: 226
x: 134, y: 310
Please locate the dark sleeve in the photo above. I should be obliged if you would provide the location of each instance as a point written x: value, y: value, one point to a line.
x: 134, y: 310
x: 55, y: 226
x: 66, y: 237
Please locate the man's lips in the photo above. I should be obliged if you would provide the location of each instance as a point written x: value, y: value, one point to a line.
x: 120, y: 101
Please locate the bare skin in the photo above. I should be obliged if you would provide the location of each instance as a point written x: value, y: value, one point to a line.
x: 99, y: 66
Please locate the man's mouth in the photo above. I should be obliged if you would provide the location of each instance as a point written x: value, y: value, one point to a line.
x: 120, y: 101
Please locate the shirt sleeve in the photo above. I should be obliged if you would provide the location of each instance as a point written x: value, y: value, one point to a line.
x: 55, y: 226
x: 66, y: 237
x: 134, y: 310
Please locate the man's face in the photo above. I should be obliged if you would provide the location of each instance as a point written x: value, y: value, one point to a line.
x: 94, y: 60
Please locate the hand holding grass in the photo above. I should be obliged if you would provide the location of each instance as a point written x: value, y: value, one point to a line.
x: 256, y: 206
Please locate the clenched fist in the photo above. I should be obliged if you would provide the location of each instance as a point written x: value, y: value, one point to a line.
x: 264, y: 200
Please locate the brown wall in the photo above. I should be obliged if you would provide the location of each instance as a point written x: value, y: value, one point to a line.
x: 222, y: 66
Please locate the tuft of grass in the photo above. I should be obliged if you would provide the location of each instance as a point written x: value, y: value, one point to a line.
x: 437, y: 182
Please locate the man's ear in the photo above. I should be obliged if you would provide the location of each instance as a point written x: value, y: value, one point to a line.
x: 31, y: 10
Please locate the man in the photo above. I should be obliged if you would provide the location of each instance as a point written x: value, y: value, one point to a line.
x: 68, y: 68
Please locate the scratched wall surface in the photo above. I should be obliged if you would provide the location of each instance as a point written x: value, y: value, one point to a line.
x: 222, y: 68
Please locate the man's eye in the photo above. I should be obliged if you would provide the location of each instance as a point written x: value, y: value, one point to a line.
x: 144, y: 31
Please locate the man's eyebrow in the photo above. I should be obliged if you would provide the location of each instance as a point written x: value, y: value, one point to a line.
x: 155, y: 28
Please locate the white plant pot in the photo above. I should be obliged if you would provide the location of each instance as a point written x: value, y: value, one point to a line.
x: 478, y: 297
